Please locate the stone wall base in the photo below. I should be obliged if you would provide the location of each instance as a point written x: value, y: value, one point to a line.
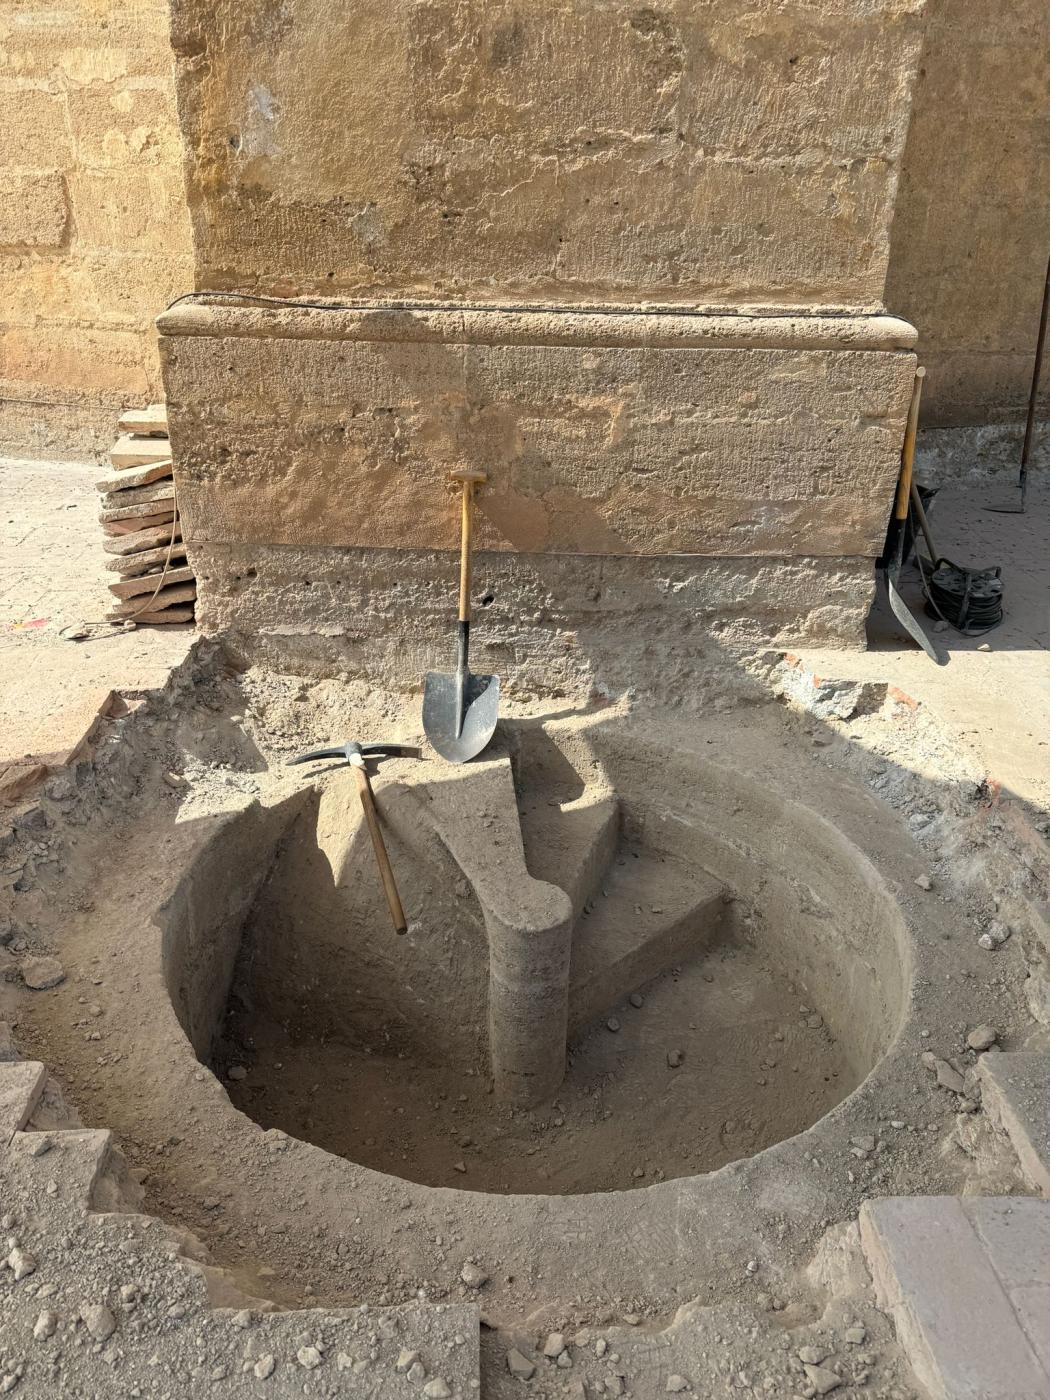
x: 660, y: 482
x: 546, y: 624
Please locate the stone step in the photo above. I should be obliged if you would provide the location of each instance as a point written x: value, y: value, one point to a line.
x: 1015, y: 1090
x: 616, y: 948
x: 967, y: 1282
x: 570, y: 844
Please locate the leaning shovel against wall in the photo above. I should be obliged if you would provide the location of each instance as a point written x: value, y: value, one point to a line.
x: 893, y: 553
x: 459, y: 710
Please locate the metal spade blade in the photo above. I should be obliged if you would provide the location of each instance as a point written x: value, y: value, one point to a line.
x: 459, y: 710
x: 458, y: 735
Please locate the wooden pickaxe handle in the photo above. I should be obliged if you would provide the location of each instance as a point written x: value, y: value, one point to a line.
x: 386, y: 872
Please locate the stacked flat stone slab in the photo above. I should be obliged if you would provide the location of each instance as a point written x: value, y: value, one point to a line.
x: 140, y: 520
x: 967, y: 1280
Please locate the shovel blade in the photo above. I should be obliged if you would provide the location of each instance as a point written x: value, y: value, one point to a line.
x: 908, y: 620
x: 441, y: 714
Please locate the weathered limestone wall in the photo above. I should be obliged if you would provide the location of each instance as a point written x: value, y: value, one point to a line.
x: 94, y: 229
x: 971, y: 234
x: 654, y: 479
x: 549, y: 167
x: 684, y: 150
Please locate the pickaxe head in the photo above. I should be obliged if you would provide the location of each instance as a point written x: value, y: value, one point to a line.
x: 355, y: 753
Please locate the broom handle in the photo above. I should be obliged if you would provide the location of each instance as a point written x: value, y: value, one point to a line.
x: 1037, y: 371
x: 386, y: 871
x: 900, y: 509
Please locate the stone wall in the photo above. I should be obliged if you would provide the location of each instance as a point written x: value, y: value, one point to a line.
x: 655, y: 480
x: 94, y: 231
x: 626, y: 257
x: 724, y: 153
x: 971, y: 234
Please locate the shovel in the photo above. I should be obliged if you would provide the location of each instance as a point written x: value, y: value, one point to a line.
x: 459, y: 710
x: 893, y: 556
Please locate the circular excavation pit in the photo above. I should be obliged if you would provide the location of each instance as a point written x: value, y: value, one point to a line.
x: 708, y: 1012
x: 344, y: 1115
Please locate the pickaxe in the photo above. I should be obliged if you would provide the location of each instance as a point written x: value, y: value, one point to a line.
x: 356, y: 755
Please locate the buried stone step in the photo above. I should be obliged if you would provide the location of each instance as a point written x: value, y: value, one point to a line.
x: 1015, y: 1090
x: 570, y: 844
x: 650, y: 912
x: 21, y: 1084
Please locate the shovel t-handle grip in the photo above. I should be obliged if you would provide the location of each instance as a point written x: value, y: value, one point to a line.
x: 900, y: 508
x: 386, y: 872
x: 469, y: 480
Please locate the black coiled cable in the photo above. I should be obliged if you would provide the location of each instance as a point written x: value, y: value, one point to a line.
x: 970, y: 600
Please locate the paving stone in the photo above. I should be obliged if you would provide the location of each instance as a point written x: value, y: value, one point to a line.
x: 134, y: 541
x: 140, y: 495
x: 114, y: 529
x: 21, y: 1084
x: 151, y: 421
x: 166, y: 617
x: 129, y: 588
x: 134, y: 476
x: 166, y: 598
x: 128, y: 565
x: 1032, y: 1306
x: 130, y: 451
x: 1015, y: 1089
x: 152, y: 510
x: 954, y: 1319
x: 1015, y: 1232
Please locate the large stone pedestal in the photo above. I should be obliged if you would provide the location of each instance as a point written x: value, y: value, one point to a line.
x: 658, y: 480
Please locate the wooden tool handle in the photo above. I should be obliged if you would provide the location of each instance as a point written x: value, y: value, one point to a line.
x: 1037, y: 373
x: 368, y: 803
x: 900, y: 508
x: 470, y: 481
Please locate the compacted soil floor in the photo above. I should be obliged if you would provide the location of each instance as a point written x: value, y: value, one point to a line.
x: 722, y: 1058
